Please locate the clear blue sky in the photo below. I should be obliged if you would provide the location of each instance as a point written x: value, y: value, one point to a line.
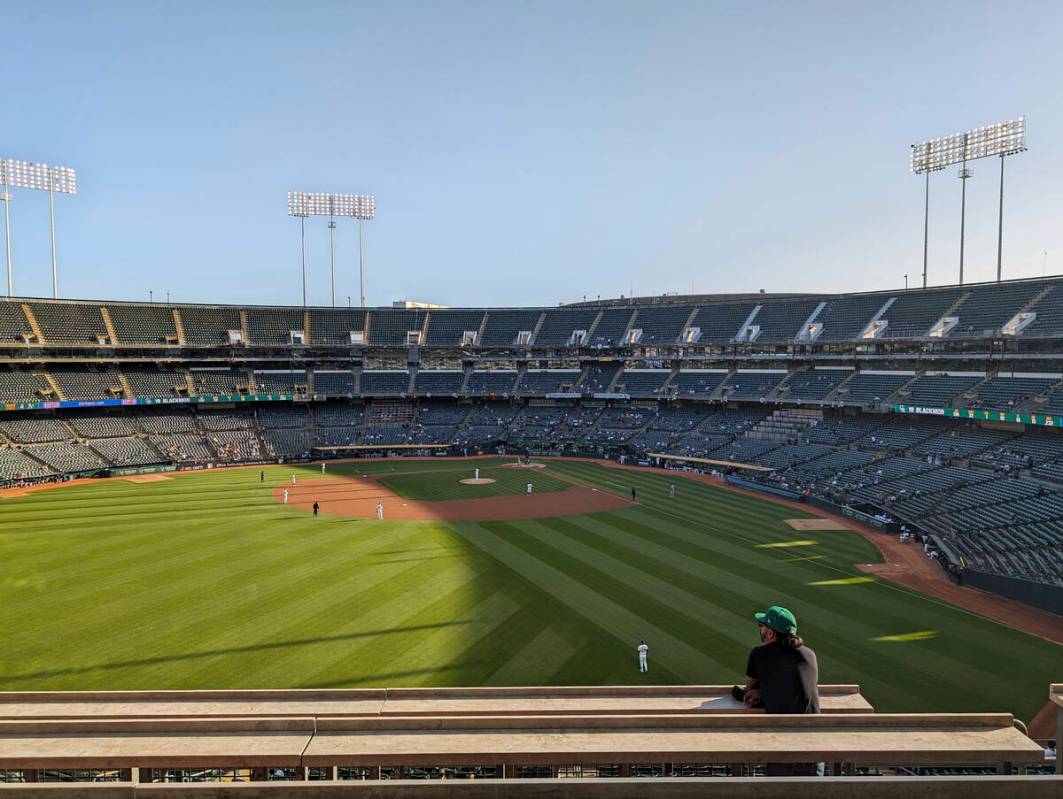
x: 524, y: 152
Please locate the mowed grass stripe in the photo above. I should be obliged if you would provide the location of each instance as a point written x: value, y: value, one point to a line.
x: 202, y: 622
x: 503, y: 542
x: 549, y: 650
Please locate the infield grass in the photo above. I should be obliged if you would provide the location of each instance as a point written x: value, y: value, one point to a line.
x: 204, y: 580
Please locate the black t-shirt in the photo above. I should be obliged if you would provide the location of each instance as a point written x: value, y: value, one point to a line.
x: 788, y: 678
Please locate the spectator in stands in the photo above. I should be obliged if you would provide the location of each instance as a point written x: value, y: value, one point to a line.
x: 783, y: 675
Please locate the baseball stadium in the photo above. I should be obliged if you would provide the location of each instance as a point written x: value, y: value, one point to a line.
x: 501, y: 528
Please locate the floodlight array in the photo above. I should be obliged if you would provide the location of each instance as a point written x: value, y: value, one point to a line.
x: 26, y: 175
x: 1003, y: 138
x: 356, y: 206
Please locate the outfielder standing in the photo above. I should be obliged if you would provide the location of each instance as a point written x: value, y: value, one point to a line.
x: 529, y: 489
x: 643, y: 650
x: 380, y: 511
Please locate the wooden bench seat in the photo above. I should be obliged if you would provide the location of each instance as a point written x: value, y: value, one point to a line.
x: 554, y: 701
x: 866, y: 739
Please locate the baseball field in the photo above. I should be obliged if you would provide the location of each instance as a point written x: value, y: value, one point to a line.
x: 209, y: 579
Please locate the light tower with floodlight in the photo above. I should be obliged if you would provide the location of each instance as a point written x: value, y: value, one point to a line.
x: 1000, y: 139
x: 41, y: 177
x: 356, y: 206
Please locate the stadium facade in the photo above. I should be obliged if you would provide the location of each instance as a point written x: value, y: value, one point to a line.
x: 937, y: 408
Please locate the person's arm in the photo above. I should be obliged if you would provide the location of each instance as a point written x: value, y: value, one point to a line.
x: 753, y: 695
x: 809, y: 674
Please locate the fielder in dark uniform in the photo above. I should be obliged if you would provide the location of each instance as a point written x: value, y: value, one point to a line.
x: 316, y: 506
x: 783, y: 675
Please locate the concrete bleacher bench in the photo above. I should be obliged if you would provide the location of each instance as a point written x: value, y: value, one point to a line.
x: 129, y: 747
x: 313, y: 703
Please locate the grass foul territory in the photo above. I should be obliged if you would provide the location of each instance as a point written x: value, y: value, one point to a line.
x: 208, y: 581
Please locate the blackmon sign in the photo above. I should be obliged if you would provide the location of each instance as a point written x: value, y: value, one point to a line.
x: 983, y: 415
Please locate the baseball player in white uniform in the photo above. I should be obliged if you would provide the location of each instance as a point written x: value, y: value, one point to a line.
x: 322, y: 467
x: 293, y: 479
x: 476, y: 474
x: 286, y: 496
x: 380, y: 511
x: 643, y: 650
x: 529, y: 488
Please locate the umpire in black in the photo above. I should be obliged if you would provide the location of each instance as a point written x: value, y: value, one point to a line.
x: 782, y: 675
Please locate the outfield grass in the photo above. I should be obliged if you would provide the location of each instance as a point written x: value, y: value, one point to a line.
x: 441, y: 484
x: 206, y: 581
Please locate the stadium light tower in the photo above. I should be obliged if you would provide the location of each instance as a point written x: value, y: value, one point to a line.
x: 1000, y: 139
x: 27, y: 175
x: 356, y: 206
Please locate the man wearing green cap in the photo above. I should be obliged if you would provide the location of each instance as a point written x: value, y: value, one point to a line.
x: 782, y: 675
x: 782, y: 672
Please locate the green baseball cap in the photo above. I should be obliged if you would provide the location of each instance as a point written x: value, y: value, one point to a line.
x: 779, y: 619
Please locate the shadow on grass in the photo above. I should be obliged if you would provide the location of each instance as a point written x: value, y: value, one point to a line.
x: 263, y: 647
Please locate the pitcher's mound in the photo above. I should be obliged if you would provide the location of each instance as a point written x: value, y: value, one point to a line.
x: 816, y: 524
x: 146, y: 478
x: 477, y: 481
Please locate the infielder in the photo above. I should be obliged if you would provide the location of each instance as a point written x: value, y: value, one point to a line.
x: 293, y: 478
x: 322, y: 467
x: 643, y: 650
x: 286, y: 496
x: 529, y: 489
x: 380, y: 511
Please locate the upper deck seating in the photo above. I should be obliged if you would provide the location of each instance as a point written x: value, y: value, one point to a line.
x: 989, y: 308
x: 274, y: 325
x: 447, y: 328
x: 661, y: 324
x: 844, y: 318
x: 610, y: 327
x: 207, y: 326
x: 69, y: 323
x: 781, y: 320
x: 503, y: 326
x: 915, y: 312
x: 13, y: 324
x: 720, y: 323
x: 392, y: 326
x: 560, y: 323
x: 143, y: 324
x: 333, y: 326
x: 1049, y: 315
